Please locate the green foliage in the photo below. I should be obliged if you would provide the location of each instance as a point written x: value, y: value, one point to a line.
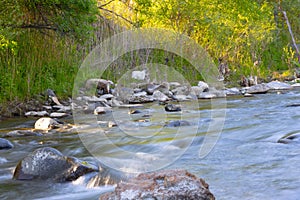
x: 67, y: 17
x: 39, y: 41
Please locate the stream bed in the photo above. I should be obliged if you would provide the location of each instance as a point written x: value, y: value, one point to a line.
x: 246, y: 162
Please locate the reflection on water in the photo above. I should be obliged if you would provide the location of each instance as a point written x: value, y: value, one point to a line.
x: 246, y: 163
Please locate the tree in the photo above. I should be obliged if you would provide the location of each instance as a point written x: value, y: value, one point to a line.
x: 66, y: 17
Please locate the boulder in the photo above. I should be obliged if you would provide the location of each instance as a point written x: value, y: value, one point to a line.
x: 212, y: 93
x: 232, y: 92
x: 257, y: 89
x: 277, y: 85
x: 164, y: 185
x: 159, y: 96
x: 46, y: 123
x: 204, y: 86
x: 5, y: 144
x: 50, y: 164
x: 183, y: 90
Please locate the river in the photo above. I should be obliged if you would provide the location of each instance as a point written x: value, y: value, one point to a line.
x: 245, y: 163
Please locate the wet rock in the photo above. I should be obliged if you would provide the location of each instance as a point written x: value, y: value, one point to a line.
x: 232, y: 92
x: 58, y: 115
x: 111, y: 124
x: 23, y: 133
x: 5, y: 144
x: 49, y: 163
x: 181, y: 97
x: 257, y: 89
x: 102, y: 110
x: 212, y: 93
x: 172, y: 108
x: 248, y: 95
x: 159, y: 96
x: 295, y: 85
x: 178, y: 123
x: 36, y: 113
x: 164, y: 185
x: 292, y: 138
x: 277, y: 85
x: 132, y: 112
x: 46, y: 123
x: 138, y: 75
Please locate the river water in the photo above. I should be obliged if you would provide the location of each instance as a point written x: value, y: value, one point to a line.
x: 245, y: 163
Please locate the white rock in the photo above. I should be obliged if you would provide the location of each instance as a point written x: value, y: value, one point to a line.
x: 45, y: 123
x: 159, y: 96
x: 204, y: 86
x: 180, y: 97
x: 38, y: 114
x: 277, y: 85
x: 233, y: 91
x: 101, y: 110
x: 58, y: 114
x: 106, y: 96
x: 139, y: 75
x: 296, y: 85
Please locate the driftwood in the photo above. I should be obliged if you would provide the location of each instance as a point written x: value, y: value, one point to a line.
x: 292, y: 35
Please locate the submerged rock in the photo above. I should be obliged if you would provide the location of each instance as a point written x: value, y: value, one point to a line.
x: 164, y: 185
x: 5, y: 144
x: 49, y: 163
x: 293, y: 138
x: 172, y: 108
x: 178, y: 123
x: 23, y: 133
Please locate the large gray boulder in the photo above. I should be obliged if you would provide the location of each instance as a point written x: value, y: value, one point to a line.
x: 277, y: 85
x: 257, y: 89
x: 164, y: 185
x: 49, y: 163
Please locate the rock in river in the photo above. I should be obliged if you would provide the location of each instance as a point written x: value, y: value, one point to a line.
x: 49, y: 163
x: 45, y: 123
x: 5, y: 144
x: 258, y: 89
x: 164, y: 185
x: 276, y: 85
x: 291, y: 138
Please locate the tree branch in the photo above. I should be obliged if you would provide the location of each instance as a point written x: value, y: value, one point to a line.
x: 292, y: 35
x: 103, y: 5
x: 116, y: 14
